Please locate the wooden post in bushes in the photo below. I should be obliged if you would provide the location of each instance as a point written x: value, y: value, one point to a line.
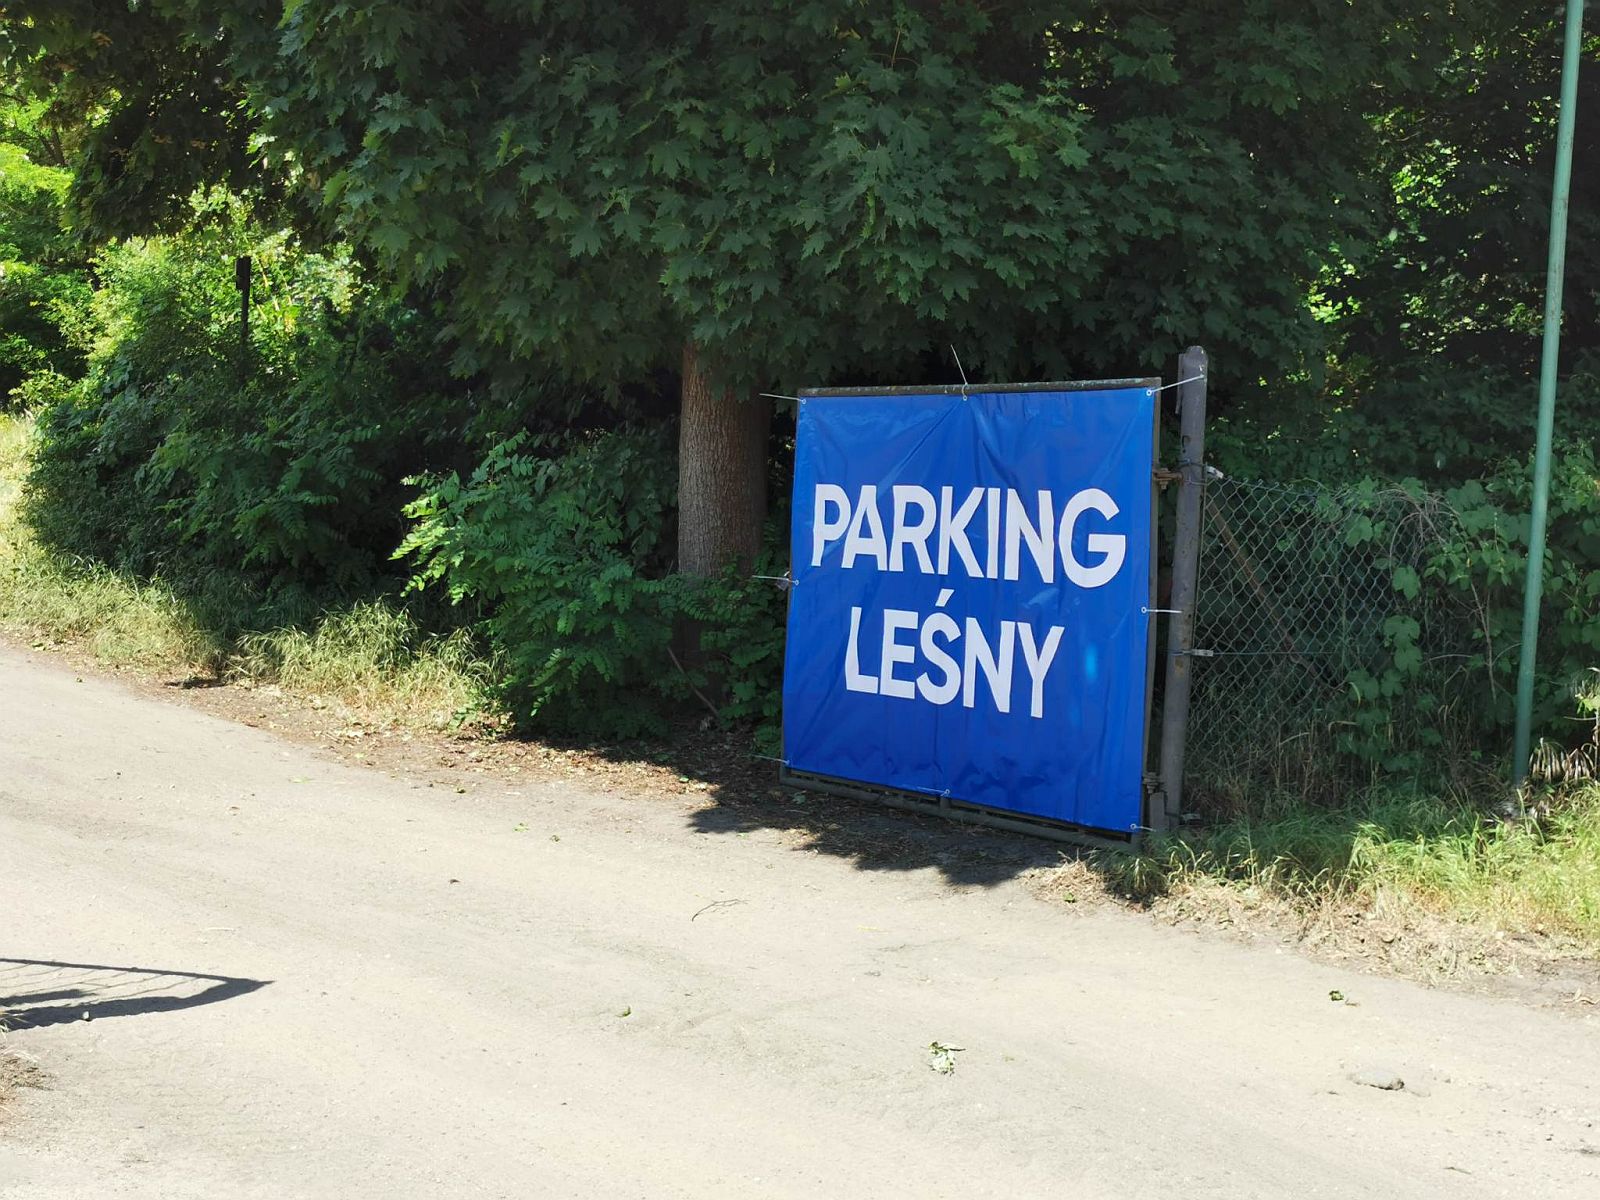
x: 1192, y: 367
x: 241, y: 280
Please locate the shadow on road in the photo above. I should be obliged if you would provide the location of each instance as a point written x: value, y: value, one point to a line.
x: 744, y: 796
x: 876, y: 838
x: 35, y: 992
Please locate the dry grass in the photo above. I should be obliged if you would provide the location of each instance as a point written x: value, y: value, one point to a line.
x: 373, y: 662
x: 122, y: 622
x: 17, y: 1071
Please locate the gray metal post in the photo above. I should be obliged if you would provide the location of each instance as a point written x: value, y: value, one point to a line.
x: 1185, y: 576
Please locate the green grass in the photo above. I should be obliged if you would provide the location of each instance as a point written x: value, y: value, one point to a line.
x: 369, y: 658
x: 1540, y: 873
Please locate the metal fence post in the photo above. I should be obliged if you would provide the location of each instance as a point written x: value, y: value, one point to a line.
x: 1185, y: 575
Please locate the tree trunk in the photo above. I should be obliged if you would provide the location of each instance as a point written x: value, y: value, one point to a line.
x: 722, y: 472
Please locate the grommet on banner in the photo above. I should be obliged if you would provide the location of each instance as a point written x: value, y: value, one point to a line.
x: 964, y: 384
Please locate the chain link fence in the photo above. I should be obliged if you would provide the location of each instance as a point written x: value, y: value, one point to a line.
x: 1304, y: 594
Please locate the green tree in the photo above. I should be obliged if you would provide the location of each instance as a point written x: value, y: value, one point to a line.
x: 43, y: 279
x: 760, y: 196
x: 1443, y: 323
x: 1435, y: 324
x: 140, y: 112
x: 756, y: 197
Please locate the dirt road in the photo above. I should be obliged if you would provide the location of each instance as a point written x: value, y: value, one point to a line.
x: 306, y: 979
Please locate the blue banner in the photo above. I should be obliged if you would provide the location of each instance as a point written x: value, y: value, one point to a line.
x: 971, y: 576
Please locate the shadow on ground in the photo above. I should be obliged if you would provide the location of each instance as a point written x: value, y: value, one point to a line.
x: 35, y: 993
x: 879, y: 838
x: 743, y: 796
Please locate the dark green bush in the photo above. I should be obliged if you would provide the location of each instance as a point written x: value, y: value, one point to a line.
x: 1484, y: 563
x: 741, y: 622
x: 565, y: 544
x: 1453, y: 640
x: 181, y: 454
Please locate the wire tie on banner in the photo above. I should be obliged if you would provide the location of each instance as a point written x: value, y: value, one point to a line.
x: 964, y: 384
x: 1180, y: 383
x: 1177, y: 612
x: 778, y: 396
x: 784, y: 581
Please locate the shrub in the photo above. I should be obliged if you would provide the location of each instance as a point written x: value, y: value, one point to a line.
x: 1370, y: 634
x: 562, y: 543
x: 179, y: 455
x: 741, y: 621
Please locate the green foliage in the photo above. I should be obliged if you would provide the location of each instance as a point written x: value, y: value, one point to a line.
x: 741, y: 621
x: 1434, y: 323
x: 823, y: 189
x: 1427, y: 419
x: 1459, y: 605
x: 554, y: 540
x: 179, y: 454
x: 564, y: 544
x: 43, y: 284
x: 1488, y: 561
x: 135, y: 104
x: 1374, y: 636
x: 1457, y: 281
x: 1345, y: 203
x: 369, y: 661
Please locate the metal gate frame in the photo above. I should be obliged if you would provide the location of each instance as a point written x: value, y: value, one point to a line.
x: 1162, y: 790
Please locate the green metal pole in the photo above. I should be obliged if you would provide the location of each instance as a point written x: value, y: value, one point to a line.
x: 1554, y: 274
